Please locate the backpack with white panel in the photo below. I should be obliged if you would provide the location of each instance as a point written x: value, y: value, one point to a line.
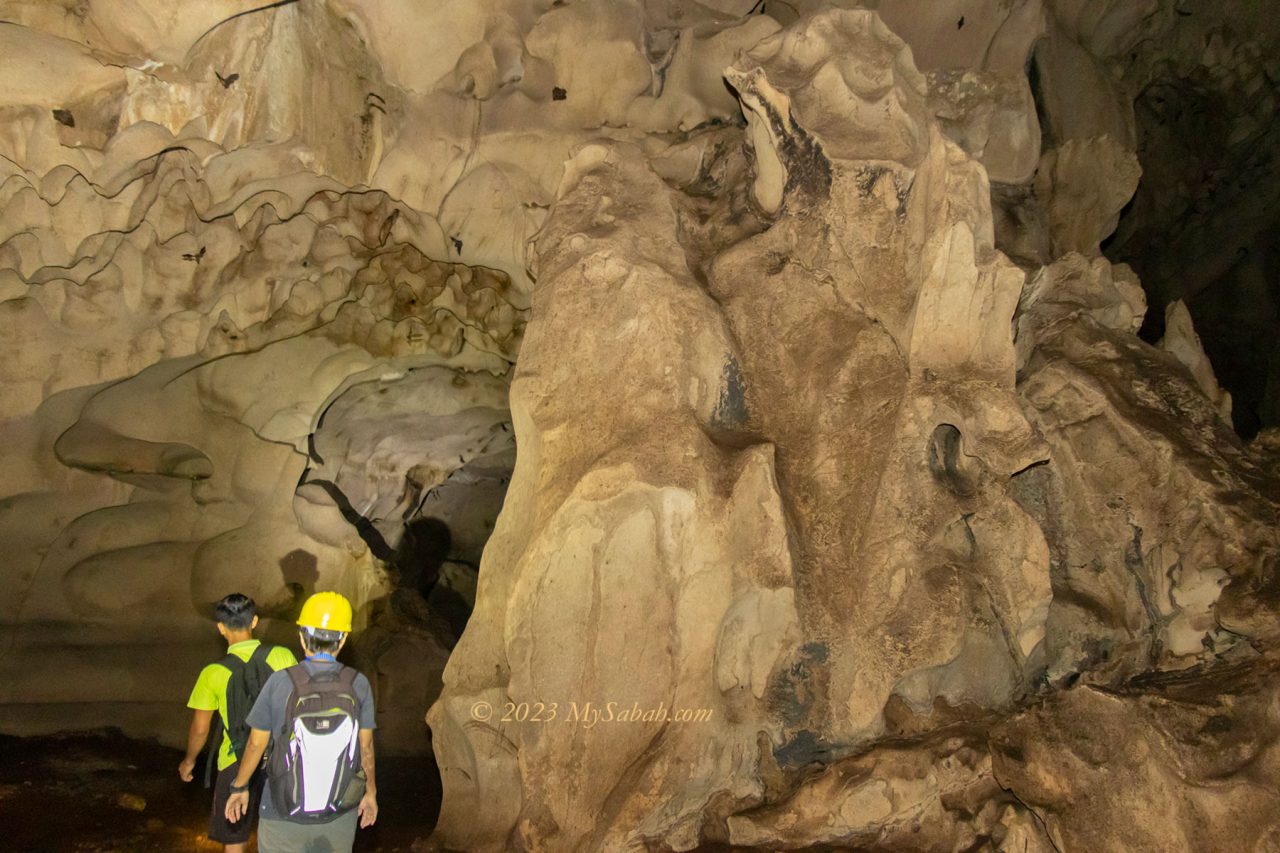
x: 314, y: 768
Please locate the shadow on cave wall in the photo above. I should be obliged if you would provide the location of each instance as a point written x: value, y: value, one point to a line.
x: 298, y: 570
x: 425, y: 546
x: 422, y: 564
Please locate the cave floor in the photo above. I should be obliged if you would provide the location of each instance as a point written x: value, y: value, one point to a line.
x: 101, y: 791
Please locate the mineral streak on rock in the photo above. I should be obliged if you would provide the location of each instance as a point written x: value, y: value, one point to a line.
x: 748, y: 379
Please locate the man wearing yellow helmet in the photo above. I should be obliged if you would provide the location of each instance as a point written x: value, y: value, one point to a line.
x: 319, y: 719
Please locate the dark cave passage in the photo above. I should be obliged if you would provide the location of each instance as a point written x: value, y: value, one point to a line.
x: 1204, y: 225
x: 420, y: 465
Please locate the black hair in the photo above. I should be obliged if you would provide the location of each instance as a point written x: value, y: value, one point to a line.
x: 319, y: 641
x: 236, y: 611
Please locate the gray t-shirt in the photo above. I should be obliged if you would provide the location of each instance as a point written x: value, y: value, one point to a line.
x: 269, y: 711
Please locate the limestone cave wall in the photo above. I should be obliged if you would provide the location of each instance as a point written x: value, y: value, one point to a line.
x: 839, y: 384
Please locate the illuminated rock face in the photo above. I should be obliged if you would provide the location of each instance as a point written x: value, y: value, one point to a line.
x: 768, y: 355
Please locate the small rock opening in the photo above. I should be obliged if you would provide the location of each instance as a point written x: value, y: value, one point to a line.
x: 949, y: 463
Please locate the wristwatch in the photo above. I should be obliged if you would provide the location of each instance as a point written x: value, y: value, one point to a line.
x: 238, y: 789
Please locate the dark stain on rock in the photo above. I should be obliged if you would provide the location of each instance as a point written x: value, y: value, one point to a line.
x: 1134, y: 561
x: 867, y: 177
x: 903, y: 192
x: 808, y: 170
x: 558, y: 94
x: 794, y: 688
x: 64, y: 117
x: 731, y: 408
x: 802, y: 749
x: 815, y: 651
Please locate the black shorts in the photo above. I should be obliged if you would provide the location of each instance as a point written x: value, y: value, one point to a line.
x: 222, y: 830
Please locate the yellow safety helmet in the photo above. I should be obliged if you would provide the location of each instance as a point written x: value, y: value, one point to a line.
x: 327, y: 611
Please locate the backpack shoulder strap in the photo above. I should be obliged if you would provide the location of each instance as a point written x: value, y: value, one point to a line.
x: 212, y: 748
x: 299, y: 679
x: 261, y: 653
x: 299, y: 676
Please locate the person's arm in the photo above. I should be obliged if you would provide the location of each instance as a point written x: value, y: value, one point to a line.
x: 197, y: 736
x: 238, y: 802
x: 368, y: 809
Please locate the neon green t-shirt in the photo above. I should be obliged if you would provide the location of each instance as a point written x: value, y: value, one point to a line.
x: 210, y: 692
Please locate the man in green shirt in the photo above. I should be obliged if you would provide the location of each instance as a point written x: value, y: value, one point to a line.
x: 236, y: 616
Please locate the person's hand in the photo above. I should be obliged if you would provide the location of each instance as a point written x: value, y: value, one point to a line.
x: 237, y: 805
x: 185, y: 769
x: 368, y: 809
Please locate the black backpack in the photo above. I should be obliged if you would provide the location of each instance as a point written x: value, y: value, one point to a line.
x: 314, y: 770
x: 243, y: 687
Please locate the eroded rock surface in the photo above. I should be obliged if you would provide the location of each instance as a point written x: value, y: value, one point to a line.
x: 988, y: 492
x: 752, y: 369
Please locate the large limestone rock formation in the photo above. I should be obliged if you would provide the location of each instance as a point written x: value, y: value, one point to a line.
x: 960, y: 523
x: 746, y: 379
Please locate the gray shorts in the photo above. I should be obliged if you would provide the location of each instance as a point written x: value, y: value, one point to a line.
x: 282, y: 836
